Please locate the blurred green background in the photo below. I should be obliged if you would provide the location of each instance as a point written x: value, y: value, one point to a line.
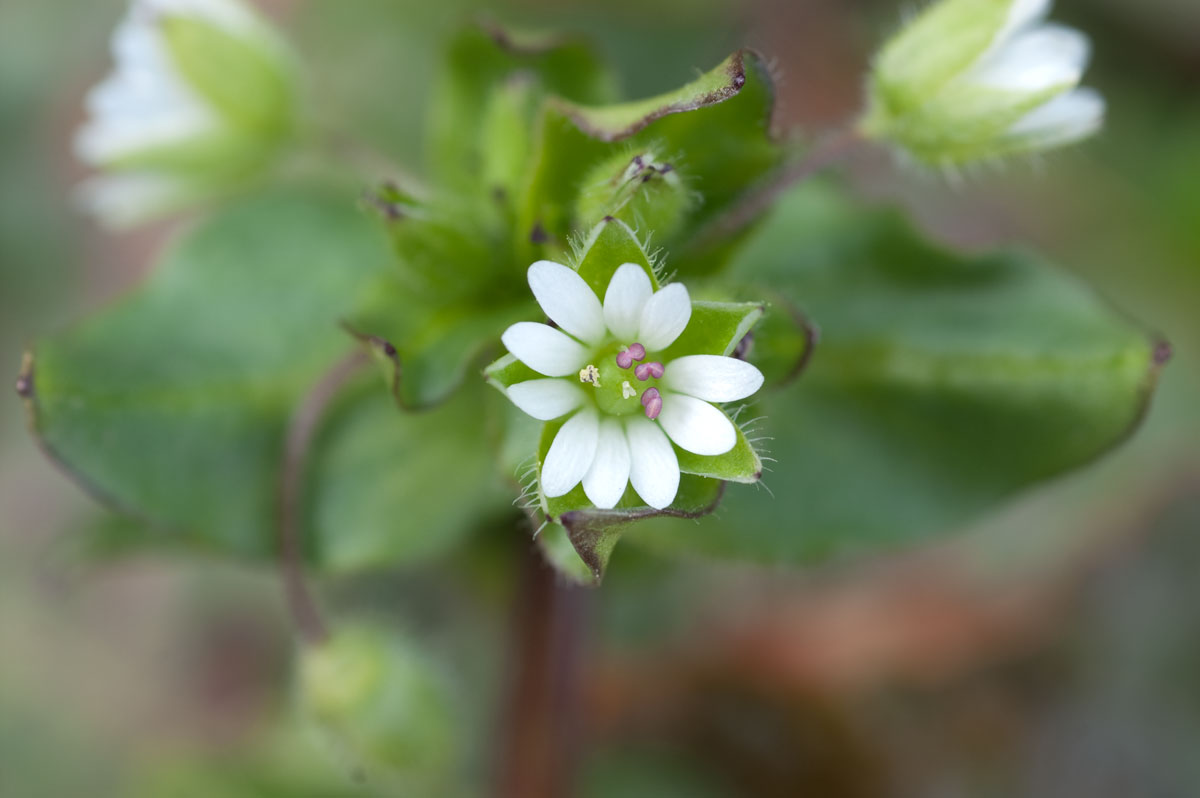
x: 1052, y: 649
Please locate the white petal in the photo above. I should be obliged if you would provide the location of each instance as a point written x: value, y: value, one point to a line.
x: 571, y: 454
x: 696, y: 426
x: 545, y: 349
x: 1068, y: 117
x: 605, y: 481
x: 664, y: 317
x: 1036, y: 60
x: 627, y: 293
x: 1022, y: 14
x: 567, y: 300
x: 653, y: 466
x: 713, y: 378
x: 546, y: 399
x: 121, y: 200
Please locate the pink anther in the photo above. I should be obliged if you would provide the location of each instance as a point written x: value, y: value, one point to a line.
x: 637, y: 352
x: 652, y: 401
x: 645, y: 371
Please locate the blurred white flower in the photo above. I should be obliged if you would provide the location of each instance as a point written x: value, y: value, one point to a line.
x: 625, y: 407
x: 200, y: 97
x: 976, y: 79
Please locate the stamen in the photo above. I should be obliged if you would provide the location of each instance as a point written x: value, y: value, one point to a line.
x: 630, y: 355
x: 627, y: 390
x: 590, y: 374
x: 652, y: 401
x: 645, y: 371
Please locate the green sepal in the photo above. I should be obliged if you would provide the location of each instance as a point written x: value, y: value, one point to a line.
x: 243, y: 76
x: 508, y: 371
x: 608, y: 246
x: 555, y: 544
x: 932, y: 49
x: 740, y: 464
x: 716, y: 328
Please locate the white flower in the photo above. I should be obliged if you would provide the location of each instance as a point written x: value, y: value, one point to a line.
x: 972, y: 79
x: 165, y: 129
x: 625, y: 406
x: 1035, y: 58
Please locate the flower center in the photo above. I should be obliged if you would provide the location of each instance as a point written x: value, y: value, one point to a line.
x: 620, y: 376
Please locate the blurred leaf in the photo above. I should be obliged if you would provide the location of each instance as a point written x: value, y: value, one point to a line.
x: 171, y: 405
x: 942, y: 384
x: 714, y: 132
x: 388, y: 487
x: 379, y: 699
x: 485, y: 59
x: 450, y: 295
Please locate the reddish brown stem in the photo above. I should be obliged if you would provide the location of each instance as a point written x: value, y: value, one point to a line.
x: 300, y: 432
x: 540, y: 739
x: 823, y: 154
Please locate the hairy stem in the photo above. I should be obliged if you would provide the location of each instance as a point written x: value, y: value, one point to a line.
x: 540, y: 739
x: 300, y: 432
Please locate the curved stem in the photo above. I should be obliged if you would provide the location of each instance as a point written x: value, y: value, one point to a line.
x: 300, y: 431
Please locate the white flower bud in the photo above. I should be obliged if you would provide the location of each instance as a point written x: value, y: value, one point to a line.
x: 202, y: 95
x: 976, y: 79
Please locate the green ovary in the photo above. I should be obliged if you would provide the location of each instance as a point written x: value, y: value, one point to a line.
x: 610, y: 393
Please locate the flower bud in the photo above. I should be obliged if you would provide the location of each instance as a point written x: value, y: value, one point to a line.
x: 202, y: 97
x: 640, y: 188
x: 976, y: 79
x: 380, y: 702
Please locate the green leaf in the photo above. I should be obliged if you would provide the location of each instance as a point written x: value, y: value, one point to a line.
x: 428, y: 353
x: 714, y: 132
x: 172, y: 404
x: 388, y: 488
x: 942, y: 384
x: 445, y: 303
x: 484, y: 60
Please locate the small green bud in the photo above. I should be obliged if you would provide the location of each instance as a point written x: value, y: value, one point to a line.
x: 202, y: 97
x: 379, y: 699
x: 641, y: 188
x: 976, y: 79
